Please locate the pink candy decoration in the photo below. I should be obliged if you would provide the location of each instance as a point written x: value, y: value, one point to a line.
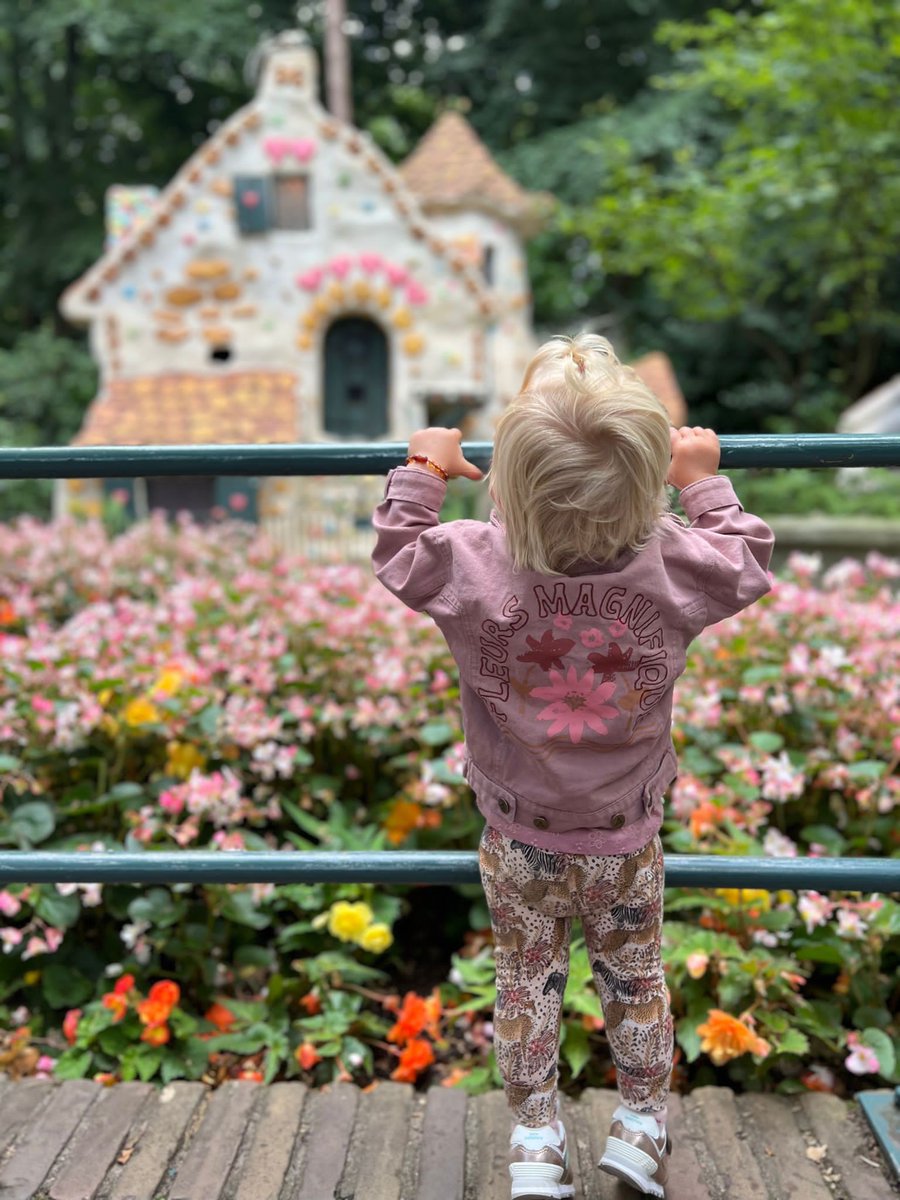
x: 416, y: 294
x: 340, y: 265
x: 371, y: 263
x: 397, y: 274
x: 311, y: 279
x: 277, y: 148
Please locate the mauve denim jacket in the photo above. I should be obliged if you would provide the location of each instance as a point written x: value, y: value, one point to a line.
x: 566, y: 680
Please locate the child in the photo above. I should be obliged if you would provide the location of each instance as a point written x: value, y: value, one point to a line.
x: 569, y: 614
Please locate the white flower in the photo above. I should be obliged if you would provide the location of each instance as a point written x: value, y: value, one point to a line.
x: 776, y: 845
x: 862, y: 1060
x: 814, y: 909
x: 850, y: 924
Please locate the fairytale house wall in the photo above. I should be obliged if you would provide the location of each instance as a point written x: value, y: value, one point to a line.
x: 290, y: 284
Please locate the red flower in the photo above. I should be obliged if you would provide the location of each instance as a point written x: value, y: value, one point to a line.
x: 307, y: 1055
x: 311, y: 1003
x: 156, y: 1035
x: 153, y: 1012
x: 123, y: 984
x: 220, y: 1016
x: 117, y: 1003
x: 414, y: 1059
x: 165, y: 992
x: 70, y: 1024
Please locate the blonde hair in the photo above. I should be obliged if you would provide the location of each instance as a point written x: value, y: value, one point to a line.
x: 580, y: 458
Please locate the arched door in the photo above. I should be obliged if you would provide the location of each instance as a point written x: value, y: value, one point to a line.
x: 356, y: 378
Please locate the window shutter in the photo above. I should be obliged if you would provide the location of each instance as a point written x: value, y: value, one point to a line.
x: 253, y: 202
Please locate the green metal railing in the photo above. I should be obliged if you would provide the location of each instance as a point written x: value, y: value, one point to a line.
x: 386, y: 866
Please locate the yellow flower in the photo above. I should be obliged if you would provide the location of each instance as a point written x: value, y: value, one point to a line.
x: 105, y: 696
x: 169, y: 681
x: 109, y: 725
x: 746, y: 897
x: 182, y: 759
x: 31, y: 978
x: 347, y: 920
x: 140, y: 712
x: 376, y: 938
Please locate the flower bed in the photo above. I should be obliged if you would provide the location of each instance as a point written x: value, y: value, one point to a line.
x: 186, y: 688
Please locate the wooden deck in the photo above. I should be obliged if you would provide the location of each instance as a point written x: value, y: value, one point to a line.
x: 80, y: 1141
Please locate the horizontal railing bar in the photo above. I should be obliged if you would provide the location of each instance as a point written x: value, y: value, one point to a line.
x: 101, y: 462
x: 419, y: 866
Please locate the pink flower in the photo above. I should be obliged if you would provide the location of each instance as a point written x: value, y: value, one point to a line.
x: 696, y: 964
x: 592, y: 638
x: 862, y: 1059
x: 814, y: 909
x: 617, y: 629
x: 575, y: 704
x: 562, y: 621
x: 171, y: 801
x: 41, y: 704
x: 9, y: 904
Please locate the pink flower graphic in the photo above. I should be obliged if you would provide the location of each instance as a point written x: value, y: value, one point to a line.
x: 562, y: 621
x: 575, y: 703
x: 592, y: 638
x: 617, y: 629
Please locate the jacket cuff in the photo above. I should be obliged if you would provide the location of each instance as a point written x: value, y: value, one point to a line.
x: 715, y: 492
x: 416, y: 484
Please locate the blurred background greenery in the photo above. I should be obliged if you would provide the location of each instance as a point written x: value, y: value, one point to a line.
x: 726, y: 176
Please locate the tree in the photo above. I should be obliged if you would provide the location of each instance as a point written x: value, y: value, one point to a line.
x: 786, y: 229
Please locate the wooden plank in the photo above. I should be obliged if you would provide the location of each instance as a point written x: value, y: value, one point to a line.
x: 153, y: 1142
x: 442, y: 1158
x: 98, y: 1140
x: 781, y: 1148
x: 686, y: 1178
x: 487, y: 1141
x: 213, y: 1147
x: 268, y: 1155
x: 326, y: 1140
x: 717, y: 1122
x: 381, y: 1138
x: 35, y: 1153
x: 20, y: 1103
x: 852, y: 1158
x: 592, y: 1117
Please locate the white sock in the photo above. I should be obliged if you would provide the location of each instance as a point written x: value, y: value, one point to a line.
x: 535, y: 1139
x: 643, y: 1122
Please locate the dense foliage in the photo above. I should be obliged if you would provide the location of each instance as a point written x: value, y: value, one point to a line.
x: 727, y: 190
x: 193, y: 689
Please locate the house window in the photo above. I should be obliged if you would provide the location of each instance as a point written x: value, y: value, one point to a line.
x: 291, y: 202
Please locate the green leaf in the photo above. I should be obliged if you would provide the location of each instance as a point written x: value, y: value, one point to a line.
x: 792, y: 1042
x: 765, y: 740
x: 575, y: 1048
x: 31, y: 823
x: 148, y: 1061
x: 878, y: 1040
x: 64, y: 987
x: 241, y: 908
x: 73, y: 1064
x: 436, y: 733
x: 57, y: 910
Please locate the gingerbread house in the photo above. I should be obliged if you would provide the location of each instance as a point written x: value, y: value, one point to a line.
x: 291, y: 284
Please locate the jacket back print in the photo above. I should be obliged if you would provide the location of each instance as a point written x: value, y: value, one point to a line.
x: 566, y: 681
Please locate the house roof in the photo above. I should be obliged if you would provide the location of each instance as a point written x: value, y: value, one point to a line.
x: 657, y: 372
x: 232, y: 408
x: 876, y: 412
x: 452, y: 168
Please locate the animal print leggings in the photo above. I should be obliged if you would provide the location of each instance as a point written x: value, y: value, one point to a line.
x: 533, y: 895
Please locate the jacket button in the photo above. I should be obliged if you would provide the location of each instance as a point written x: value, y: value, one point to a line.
x: 618, y: 821
x: 540, y: 822
x: 503, y: 805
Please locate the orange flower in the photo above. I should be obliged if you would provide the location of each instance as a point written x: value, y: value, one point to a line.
x: 705, y: 818
x: 220, y: 1016
x: 402, y: 820
x: 433, y: 1011
x: 311, y: 1003
x: 414, y: 1058
x: 411, y: 1019
x: 70, y: 1024
x: 123, y: 985
x: 118, y: 1004
x: 307, y: 1055
x: 156, y: 1035
x: 7, y: 612
x: 251, y: 1076
x: 725, y: 1037
x: 153, y: 1012
x: 165, y: 992
x: 107, y: 1078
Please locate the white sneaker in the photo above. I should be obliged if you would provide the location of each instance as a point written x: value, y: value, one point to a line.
x: 539, y: 1163
x: 636, y: 1151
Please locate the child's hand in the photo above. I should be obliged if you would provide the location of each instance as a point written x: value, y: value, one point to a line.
x: 442, y: 446
x: 695, y: 455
